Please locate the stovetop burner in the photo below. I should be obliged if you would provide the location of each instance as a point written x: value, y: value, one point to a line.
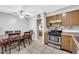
x: 55, y: 32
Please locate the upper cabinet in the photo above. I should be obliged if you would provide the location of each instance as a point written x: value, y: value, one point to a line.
x: 70, y: 18
x: 58, y: 17
x: 52, y: 18
x: 66, y: 19
x: 74, y: 17
x: 48, y: 19
x: 47, y: 22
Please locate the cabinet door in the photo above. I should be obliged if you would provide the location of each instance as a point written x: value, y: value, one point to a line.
x: 75, y: 17
x: 65, y: 43
x: 73, y: 46
x: 59, y: 17
x: 66, y: 19
x: 53, y: 18
x: 45, y: 38
x: 48, y: 19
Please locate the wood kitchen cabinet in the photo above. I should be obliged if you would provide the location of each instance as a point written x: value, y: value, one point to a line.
x: 47, y: 22
x: 66, y: 19
x: 67, y: 43
x: 73, y: 46
x: 48, y: 19
x: 52, y: 18
x: 45, y: 38
x: 58, y: 17
x: 74, y: 17
x: 70, y: 18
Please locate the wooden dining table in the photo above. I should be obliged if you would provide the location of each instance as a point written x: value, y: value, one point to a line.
x: 4, y: 39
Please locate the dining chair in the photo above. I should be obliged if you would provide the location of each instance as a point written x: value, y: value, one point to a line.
x: 22, y: 40
x: 21, y: 37
x: 31, y: 33
x: 2, y: 47
x: 28, y: 36
x: 2, y: 43
x: 13, y: 38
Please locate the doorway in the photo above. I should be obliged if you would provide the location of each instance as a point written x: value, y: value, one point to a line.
x: 39, y: 30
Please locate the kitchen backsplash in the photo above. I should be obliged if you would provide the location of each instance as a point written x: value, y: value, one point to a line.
x: 71, y: 27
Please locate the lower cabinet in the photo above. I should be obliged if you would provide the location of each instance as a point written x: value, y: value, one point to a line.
x: 73, y: 46
x: 67, y: 43
x: 45, y: 38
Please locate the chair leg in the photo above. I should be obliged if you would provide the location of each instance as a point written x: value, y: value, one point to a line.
x: 9, y: 48
x: 2, y: 49
x: 5, y: 48
x: 29, y: 41
x: 19, y: 44
x: 24, y: 43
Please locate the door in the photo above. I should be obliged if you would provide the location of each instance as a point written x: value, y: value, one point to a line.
x: 39, y: 30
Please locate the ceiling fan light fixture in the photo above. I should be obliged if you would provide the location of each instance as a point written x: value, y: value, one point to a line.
x: 21, y: 16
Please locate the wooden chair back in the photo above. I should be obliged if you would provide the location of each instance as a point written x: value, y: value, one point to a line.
x: 14, y: 36
x: 8, y: 32
x: 26, y: 35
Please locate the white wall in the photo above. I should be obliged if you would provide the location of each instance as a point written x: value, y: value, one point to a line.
x: 11, y: 22
x: 32, y: 25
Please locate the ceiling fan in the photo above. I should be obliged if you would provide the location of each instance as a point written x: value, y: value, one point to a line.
x: 22, y: 14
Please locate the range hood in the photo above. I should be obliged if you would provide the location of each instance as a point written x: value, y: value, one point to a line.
x: 55, y: 21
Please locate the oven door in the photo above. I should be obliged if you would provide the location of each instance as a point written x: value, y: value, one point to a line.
x: 54, y: 39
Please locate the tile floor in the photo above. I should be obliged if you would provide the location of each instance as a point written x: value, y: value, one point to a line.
x: 37, y: 48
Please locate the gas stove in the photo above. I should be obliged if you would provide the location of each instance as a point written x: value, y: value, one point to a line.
x: 54, y: 37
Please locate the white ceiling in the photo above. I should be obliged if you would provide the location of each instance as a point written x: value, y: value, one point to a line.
x: 31, y: 10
